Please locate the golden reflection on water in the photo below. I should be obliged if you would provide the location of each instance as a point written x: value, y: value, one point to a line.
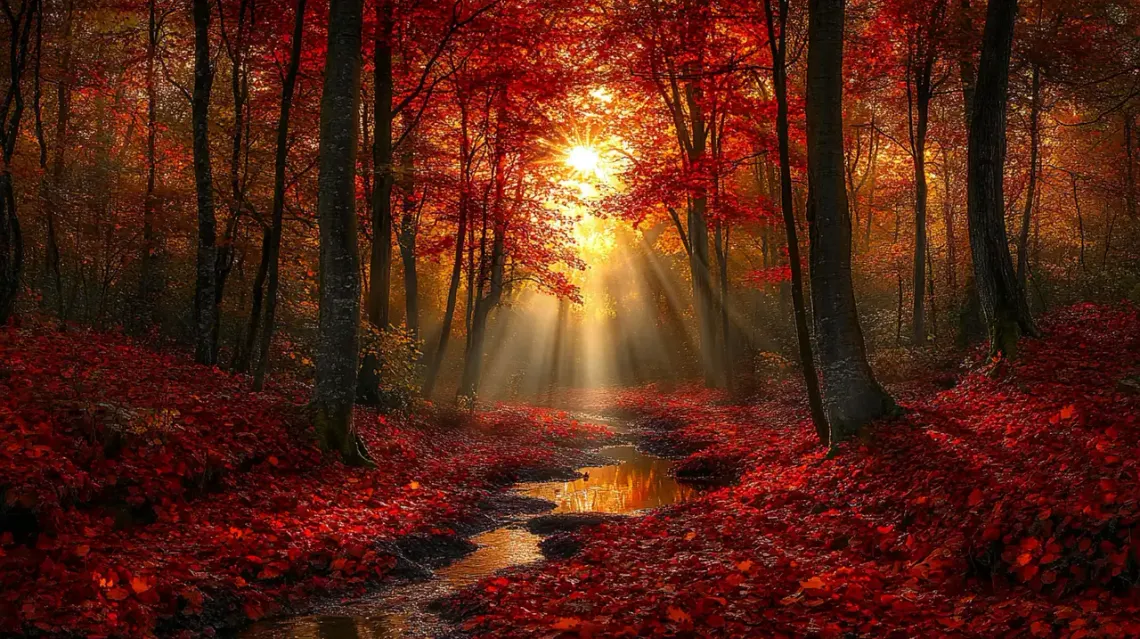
x: 639, y: 482
x: 636, y: 482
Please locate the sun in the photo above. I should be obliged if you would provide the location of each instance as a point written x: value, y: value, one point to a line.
x: 583, y: 159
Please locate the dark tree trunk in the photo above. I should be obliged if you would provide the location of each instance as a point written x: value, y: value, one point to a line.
x: 148, y: 288
x: 777, y: 20
x: 380, y: 264
x: 205, y: 289
x: 457, y: 266
x: 409, y: 230
x: 1031, y: 189
x: 273, y: 241
x: 11, y: 109
x: 922, y: 90
x: 1002, y: 300
x: 338, y: 340
x: 852, y: 396
x: 967, y: 70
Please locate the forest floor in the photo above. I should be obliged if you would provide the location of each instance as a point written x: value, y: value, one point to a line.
x: 1006, y: 505
x: 141, y: 493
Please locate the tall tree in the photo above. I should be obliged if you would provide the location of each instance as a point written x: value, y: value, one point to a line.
x: 776, y: 20
x: 851, y: 395
x: 272, y: 246
x: 206, y: 283
x: 148, y: 288
x: 338, y: 338
x: 20, y: 21
x: 1003, y: 302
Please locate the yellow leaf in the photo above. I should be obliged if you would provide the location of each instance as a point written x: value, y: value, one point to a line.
x: 689, y: 536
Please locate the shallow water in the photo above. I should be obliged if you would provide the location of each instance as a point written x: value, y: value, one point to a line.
x: 634, y: 482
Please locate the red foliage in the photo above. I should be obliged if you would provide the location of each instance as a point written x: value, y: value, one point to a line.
x: 1001, y: 507
x: 166, y: 493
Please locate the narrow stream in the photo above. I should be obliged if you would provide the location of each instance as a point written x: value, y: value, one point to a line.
x: 634, y: 482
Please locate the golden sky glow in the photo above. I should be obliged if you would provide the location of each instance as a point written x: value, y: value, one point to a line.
x: 583, y: 159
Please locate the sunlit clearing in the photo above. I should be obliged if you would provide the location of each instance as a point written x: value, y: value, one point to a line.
x: 583, y: 159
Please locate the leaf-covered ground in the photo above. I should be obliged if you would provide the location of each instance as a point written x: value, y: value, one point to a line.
x: 1005, y: 506
x: 140, y: 492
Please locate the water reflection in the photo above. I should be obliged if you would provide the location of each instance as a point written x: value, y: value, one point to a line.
x: 637, y: 482
x: 633, y: 483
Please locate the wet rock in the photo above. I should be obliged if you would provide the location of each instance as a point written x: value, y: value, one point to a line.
x: 568, y: 522
x: 561, y: 546
x: 709, y: 470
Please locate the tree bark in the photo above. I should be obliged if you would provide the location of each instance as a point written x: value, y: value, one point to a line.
x: 922, y: 89
x: 148, y: 288
x: 338, y: 339
x: 11, y: 109
x: 1031, y: 189
x: 777, y: 39
x: 273, y: 243
x: 1002, y: 300
x: 852, y: 396
x: 205, y: 290
x: 380, y: 264
x: 457, y: 266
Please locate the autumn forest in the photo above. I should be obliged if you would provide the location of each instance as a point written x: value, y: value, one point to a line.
x: 360, y: 319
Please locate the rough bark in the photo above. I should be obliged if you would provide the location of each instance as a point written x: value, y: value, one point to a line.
x: 338, y: 339
x: 273, y: 241
x: 205, y: 289
x: 1002, y: 300
x: 852, y: 397
x: 776, y: 19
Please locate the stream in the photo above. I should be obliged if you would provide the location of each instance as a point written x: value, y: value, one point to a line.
x: 634, y: 482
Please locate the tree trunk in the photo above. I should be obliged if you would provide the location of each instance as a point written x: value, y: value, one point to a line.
x: 205, y: 301
x: 148, y: 288
x: 11, y: 109
x: 1002, y: 300
x: 777, y: 39
x: 922, y: 89
x: 380, y: 264
x: 273, y: 244
x: 1031, y: 189
x: 852, y: 396
x: 457, y: 267
x: 409, y: 229
x: 338, y: 340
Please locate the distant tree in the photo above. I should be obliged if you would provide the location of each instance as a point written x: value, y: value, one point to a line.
x: 205, y: 289
x: 338, y: 340
x: 851, y: 395
x: 20, y: 23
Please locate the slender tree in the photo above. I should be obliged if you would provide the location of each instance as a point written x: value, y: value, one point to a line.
x: 851, y: 395
x: 776, y: 19
x: 20, y: 21
x: 205, y: 289
x: 272, y: 247
x: 1003, y: 302
x: 338, y: 338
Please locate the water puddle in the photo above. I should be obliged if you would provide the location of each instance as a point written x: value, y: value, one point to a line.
x: 633, y: 482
